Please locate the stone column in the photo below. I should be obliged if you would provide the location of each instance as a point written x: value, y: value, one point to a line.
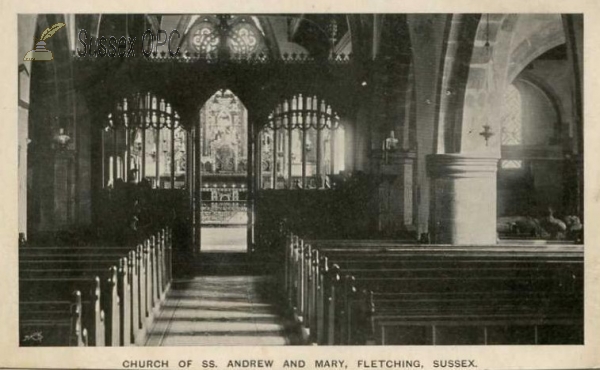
x: 463, y: 199
x: 23, y: 142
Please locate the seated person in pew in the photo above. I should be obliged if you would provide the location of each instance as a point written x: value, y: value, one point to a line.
x: 545, y: 227
x: 552, y: 226
x: 574, y: 229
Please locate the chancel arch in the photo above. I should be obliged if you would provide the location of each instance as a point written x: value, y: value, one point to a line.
x: 225, y: 201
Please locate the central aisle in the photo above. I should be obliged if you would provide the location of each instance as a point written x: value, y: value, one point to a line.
x: 221, y: 310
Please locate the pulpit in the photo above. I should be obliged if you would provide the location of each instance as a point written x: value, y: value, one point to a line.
x: 395, y: 197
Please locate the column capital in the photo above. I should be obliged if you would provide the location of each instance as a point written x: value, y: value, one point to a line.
x: 461, y: 166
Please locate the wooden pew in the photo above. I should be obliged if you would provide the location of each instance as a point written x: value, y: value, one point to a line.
x: 131, y: 285
x: 46, y: 292
x: 310, y: 287
x: 492, y: 298
x: 493, y: 318
x: 55, y: 323
x: 462, y: 256
x: 148, y: 273
x: 157, y: 257
x: 115, y: 292
x: 523, y: 282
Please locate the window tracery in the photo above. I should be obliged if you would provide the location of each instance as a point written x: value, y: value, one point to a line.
x: 302, y: 145
x: 224, y: 159
x: 204, y: 37
x: 237, y: 33
x: 512, y: 125
x: 511, y: 117
x: 144, y: 140
x: 243, y: 39
x: 224, y: 134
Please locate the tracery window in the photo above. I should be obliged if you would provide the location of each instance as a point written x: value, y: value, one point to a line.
x: 302, y: 145
x: 224, y: 159
x: 239, y: 33
x: 243, y: 39
x: 204, y: 37
x: 512, y: 125
x: 143, y: 140
x: 224, y: 134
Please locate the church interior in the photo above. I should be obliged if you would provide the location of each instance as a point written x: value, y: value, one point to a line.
x: 293, y: 179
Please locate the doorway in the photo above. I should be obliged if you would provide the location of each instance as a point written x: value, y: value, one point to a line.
x: 225, y: 201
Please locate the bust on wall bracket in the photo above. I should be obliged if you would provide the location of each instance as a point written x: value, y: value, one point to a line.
x: 389, y: 145
x: 61, y: 140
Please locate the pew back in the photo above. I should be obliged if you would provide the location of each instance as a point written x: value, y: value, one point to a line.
x: 350, y: 292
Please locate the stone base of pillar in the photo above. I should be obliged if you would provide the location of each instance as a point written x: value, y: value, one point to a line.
x: 463, y: 199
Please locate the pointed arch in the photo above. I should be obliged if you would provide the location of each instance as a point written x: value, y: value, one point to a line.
x: 224, y: 134
x: 457, y: 62
x: 505, y: 44
x: 302, y: 145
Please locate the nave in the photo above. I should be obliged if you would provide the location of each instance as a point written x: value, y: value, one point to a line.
x: 316, y: 179
x: 323, y: 292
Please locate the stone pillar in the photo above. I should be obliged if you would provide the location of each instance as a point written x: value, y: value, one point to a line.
x: 463, y: 199
x: 427, y: 44
x: 23, y: 142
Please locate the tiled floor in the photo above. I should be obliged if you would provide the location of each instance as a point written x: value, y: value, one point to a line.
x: 220, y: 310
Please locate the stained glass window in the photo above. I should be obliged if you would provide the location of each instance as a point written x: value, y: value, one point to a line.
x: 143, y: 140
x: 224, y: 134
x: 239, y: 32
x: 243, y: 39
x: 511, y: 164
x: 512, y: 126
x: 512, y: 130
x: 305, y: 142
x: 180, y: 151
x: 204, y: 37
x: 224, y: 159
x: 266, y: 150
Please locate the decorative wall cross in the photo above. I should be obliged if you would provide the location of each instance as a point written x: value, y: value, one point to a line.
x: 486, y: 133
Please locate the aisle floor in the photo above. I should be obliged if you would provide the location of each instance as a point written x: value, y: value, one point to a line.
x: 224, y: 239
x: 221, y: 310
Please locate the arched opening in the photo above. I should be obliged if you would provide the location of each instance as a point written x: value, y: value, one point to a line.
x: 143, y: 141
x: 142, y: 167
x: 302, y: 146
x: 531, y: 171
x: 224, y: 174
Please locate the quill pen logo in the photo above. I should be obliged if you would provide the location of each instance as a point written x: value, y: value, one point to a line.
x: 40, y: 53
